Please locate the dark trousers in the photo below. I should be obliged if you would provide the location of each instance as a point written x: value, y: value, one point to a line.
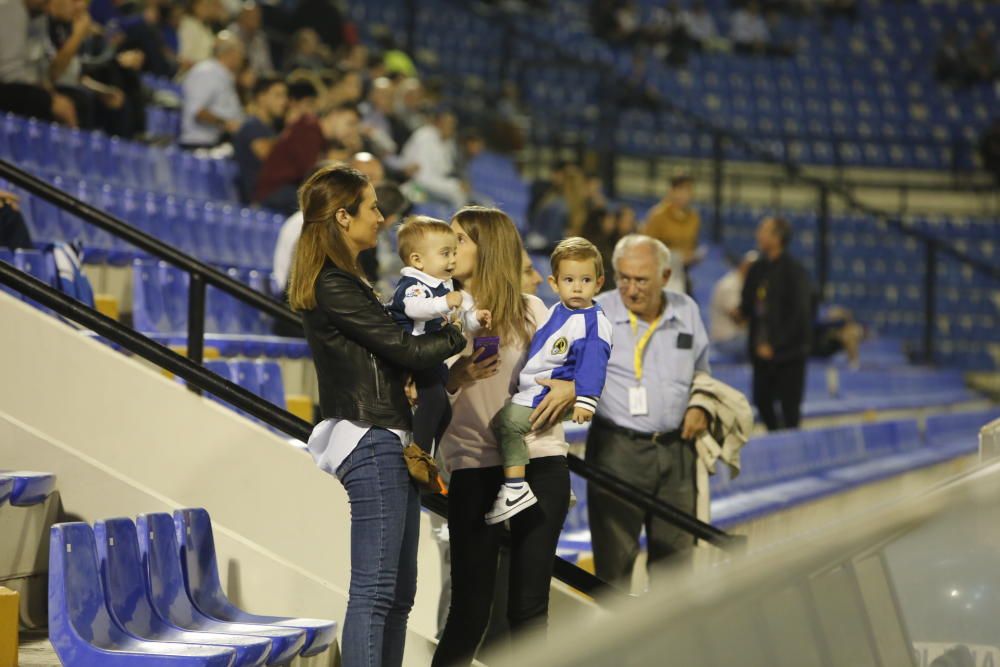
x: 781, y: 383
x: 433, y: 413
x: 25, y: 99
x: 666, y: 471
x: 475, y: 548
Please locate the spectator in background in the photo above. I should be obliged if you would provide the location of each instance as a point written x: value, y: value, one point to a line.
x: 561, y: 213
x: 302, y: 99
x: 375, y: 113
x: 727, y: 327
x: 700, y: 26
x: 347, y: 89
x: 410, y: 108
x: 601, y: 229
x: 748, y: 30
x: 333, y: 135
x: 989, y: 149
x: 195, y: 37
x: 211, y: 106
x: 949, y: 61
x: 256, y: 137
x: 308, y: 52
x: 981, y: 56
x: 14, y: 233
x: 777, y: 302
x: 247, y: 27
x: 25, y: 87
x: 674, y: 221
x: 432, y: 153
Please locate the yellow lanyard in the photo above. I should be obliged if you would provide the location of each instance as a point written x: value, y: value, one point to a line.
x: 640, y: 345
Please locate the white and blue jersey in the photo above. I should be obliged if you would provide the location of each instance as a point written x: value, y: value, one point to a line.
x: 571, y: 345
x: 420, y: 304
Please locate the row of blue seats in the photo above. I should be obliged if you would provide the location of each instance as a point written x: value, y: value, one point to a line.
x: 24, y: 488
x: 260, y: 377
x: 160, y: 310
x: 216, y: 233
x: 784, y: 469
x: 53, y: 148
x: 149, y: 593
x: 781, y: 470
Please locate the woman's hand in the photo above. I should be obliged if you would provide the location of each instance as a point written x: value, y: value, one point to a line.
x: 561, y: 395
x: 467, y: 370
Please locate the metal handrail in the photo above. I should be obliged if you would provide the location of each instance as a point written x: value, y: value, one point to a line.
x: 235, y: 395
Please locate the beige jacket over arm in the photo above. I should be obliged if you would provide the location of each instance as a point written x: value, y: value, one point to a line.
x: 729, y: 425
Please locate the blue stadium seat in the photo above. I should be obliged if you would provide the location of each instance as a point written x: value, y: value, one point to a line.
x: 148, y: 311
x: 272, y: 387
x: 81, y: 630
x: 161, y: 554
x: 128, y: 598
x: 29, y: 488
x: 194, y: 530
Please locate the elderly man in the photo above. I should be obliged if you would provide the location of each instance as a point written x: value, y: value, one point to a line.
x: 212, y: 105
x: 643, y: 430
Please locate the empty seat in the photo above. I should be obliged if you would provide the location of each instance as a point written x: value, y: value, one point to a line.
x: 29, y: 488
x: 128, y: 597
x: 194, y: 528
x: 82, y: 632
x: 6, y: 487
x: 168, y: 594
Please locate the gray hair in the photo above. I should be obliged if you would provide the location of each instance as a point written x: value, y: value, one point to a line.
x: 227, y: 42
x: 630, y: 241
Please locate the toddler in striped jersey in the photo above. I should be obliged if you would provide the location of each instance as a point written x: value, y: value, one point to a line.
x: 574, y: 343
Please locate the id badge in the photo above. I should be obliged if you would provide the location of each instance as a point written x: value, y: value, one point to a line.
x: 637, y: 405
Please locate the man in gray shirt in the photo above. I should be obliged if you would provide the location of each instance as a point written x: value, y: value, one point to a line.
x: 212, y: 106
x: 24, y: 85
x: 643, y: 430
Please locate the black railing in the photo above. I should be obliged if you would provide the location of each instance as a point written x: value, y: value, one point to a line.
x: 198, y: 378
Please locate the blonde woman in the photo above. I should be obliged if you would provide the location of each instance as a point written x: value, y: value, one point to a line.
x: 362, y: 362
x: 488, y: 264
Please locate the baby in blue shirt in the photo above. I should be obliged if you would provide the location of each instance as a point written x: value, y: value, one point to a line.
x: 424, y: 300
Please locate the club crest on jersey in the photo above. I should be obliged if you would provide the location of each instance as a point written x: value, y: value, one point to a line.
x: 560, y: 346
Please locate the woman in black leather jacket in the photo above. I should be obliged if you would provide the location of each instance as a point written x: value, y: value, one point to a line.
x: 362, y: 362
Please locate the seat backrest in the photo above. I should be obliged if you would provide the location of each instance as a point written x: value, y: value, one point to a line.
x: 200, y: 563
x: 246, y: 375
x: 272, y: 387
x: 147, y: 296
x: 123, y: 576
x: 951, y: 429
x: 161, y: 558
x: 6, y: 488
x: 38, y: 264
x: 76, y: 597
x: 891, y: 437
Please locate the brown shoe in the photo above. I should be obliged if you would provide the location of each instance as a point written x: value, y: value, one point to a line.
x: 422, y: 467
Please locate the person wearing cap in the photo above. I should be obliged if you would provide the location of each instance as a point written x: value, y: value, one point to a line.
x: 727, y: 327
x: 643, y: 431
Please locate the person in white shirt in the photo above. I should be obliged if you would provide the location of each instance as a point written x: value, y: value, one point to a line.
x: 700, y: 25
x: 211, y: 106
x: 431, y: 150
x: 195, y: 37
x: 749, y: 30
x: 727, y: 329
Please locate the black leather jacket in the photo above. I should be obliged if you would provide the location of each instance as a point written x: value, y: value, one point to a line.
x: 362, y: 357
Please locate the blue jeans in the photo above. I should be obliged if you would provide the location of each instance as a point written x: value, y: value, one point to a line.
x: 385, y: 525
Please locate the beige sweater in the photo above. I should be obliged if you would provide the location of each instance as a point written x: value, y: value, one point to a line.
x: 468, y: 442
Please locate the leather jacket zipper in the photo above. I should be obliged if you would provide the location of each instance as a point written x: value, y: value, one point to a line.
x: 378, y: 388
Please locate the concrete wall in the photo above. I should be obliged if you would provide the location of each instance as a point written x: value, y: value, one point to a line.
x: 124, y: 440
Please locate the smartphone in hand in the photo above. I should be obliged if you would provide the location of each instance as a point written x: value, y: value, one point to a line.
x: 489, y: 344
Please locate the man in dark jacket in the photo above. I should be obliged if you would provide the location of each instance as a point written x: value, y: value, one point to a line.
x: 776, y: 301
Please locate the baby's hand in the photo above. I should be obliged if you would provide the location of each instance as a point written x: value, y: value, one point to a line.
x: 582, y: 416
x: 454, y: 299
x: 485, y: 318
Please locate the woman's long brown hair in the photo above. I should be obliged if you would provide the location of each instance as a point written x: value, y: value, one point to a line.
x: 497, y: 275
x: 320, y: 197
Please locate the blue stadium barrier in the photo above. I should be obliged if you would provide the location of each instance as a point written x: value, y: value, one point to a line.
x: 29, y: 488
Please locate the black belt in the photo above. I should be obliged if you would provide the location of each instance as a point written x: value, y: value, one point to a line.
x: 660, y: 437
